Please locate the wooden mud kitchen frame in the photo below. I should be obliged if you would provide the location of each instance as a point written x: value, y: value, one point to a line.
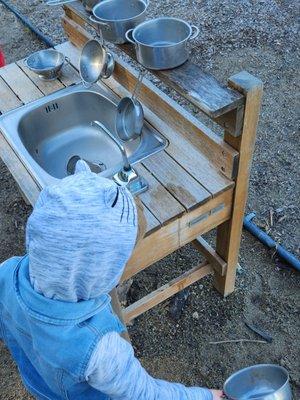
x: 198, y: 183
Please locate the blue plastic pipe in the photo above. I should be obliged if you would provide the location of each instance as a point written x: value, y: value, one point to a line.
x: 29, y: 25
x: 269, y: 242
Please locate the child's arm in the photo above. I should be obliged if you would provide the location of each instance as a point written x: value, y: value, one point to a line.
x: 114, y: 370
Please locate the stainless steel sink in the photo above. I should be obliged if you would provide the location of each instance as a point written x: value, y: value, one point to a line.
x: 48, y: 132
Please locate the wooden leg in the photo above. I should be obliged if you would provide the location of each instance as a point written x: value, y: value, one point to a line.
x: 229, y: 233
x: 118, y: 310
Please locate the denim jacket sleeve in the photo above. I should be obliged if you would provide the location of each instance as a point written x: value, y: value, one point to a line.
x: 114, y: 370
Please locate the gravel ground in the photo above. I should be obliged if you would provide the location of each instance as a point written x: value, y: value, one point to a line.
x: 261, y: 37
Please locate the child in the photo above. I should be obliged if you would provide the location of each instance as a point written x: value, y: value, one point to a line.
x: 55, y: 312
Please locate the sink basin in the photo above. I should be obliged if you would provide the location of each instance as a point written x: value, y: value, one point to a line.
x: 48, y: 132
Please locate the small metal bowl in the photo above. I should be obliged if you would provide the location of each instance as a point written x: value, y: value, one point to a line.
x: 47, y: 64
x: 259, y: 382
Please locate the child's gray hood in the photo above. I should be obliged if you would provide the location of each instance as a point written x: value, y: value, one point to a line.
x: 80, y: 236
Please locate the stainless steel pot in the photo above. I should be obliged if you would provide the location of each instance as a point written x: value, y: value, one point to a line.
x: 116, y: 17
x: 259, y: 382
x: 47, y: 64
x: 161, y: 43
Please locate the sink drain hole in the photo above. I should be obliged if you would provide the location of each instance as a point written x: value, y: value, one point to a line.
x: 95, y: 167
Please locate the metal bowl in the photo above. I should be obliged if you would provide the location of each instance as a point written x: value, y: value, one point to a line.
x: 47, y: 64
x: 95, y: 62
x: 259, y: 382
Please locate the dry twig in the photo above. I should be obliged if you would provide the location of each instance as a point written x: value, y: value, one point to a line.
x: 239, y: 341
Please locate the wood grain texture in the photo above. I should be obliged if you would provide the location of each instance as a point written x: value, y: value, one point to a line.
x: 177, y: 233
x: 157, y: 199
x: 166, y: 291
x: 29, y: 188
x: 8, y: 99
x: 199, y: 87
x: 22, y: 86
x: 229, y: 233
x: 177, y: 181
x: 46, y: 87
x: 217, y: 263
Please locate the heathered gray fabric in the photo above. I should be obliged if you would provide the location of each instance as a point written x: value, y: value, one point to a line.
x: 114, y: 370
x: 78, y: 244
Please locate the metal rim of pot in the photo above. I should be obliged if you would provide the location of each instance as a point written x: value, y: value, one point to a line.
x: 135, y: 41
x: 284, y: 386
x: 100, y: 19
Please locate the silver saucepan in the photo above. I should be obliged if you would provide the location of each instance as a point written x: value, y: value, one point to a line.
x: 161, y: 43
x: 259, y: 382
x: 115, y: 17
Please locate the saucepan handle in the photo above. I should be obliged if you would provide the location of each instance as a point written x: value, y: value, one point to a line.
x: 58, y: 2
x: 129, y: 36
x: 195, y: 32
x: 96, y: 21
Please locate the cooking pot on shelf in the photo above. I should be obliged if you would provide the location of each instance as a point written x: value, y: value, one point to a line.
x: 161, y: 43
x: 115, y: 17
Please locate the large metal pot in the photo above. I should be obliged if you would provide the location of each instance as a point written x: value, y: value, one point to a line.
x: 116, y: 17
x: 161, y: 43
x: 259, y: 382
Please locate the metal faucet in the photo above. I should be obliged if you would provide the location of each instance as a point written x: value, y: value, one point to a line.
x: 127, y: 176
x: 126, y: 164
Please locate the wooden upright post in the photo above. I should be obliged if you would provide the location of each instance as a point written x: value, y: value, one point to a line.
x: 229, y: 233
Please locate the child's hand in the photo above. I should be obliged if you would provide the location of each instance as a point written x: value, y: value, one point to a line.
x: 217, y: 394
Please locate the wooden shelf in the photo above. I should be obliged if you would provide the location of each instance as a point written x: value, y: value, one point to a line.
x: 200, y: 88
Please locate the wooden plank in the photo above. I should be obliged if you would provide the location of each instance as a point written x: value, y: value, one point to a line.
x: 152, y: 222
x: 203, y: 218
x: 72, y: 52
x: 213, y: 147
x: 177, y: 233
x: 8, y: 99
x: 69, y: 76
x: 157, y: 199
x: 76, y: 34
x: 166, y: 291
x: 199, y: 87
x: 229, y: 233
x: 177, y: 181
x: 28, y: 187
x: 21, y: 85
x: 46, y: 87
x: 217, y: 263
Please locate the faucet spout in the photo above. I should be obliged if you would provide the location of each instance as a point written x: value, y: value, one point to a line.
x: 126, y: 164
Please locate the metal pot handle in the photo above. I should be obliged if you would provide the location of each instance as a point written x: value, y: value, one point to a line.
x: 58, y: 2
x: 196, y: 32
x: 67, y: 60
x: 129, y: 36
x: 96, y: 21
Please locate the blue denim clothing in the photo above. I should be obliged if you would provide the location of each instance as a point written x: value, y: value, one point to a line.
x: 51, y: 341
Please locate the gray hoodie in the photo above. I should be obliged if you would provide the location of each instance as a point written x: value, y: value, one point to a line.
x: 79, y: 238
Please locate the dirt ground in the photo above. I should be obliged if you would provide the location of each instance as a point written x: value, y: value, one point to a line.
x: 261, y: 37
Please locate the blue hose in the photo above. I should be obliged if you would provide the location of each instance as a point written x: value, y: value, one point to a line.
x: 29, y: 25
x: 269, y: 242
